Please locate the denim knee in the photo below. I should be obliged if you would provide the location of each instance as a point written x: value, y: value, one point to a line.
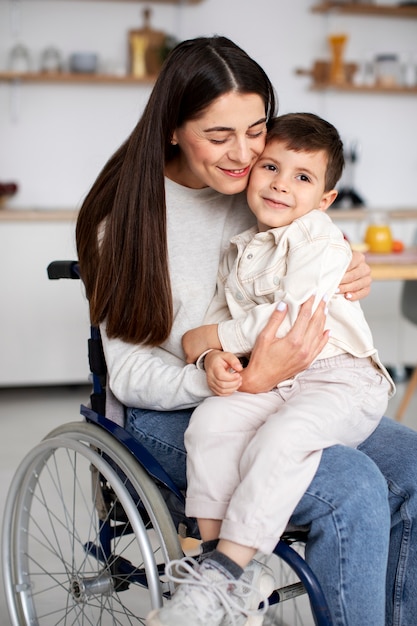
x: 349, y: 481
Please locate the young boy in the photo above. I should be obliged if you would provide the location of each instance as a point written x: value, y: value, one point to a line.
x: 251, y: 457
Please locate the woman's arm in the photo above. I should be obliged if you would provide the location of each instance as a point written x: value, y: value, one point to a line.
x: 141, y: 377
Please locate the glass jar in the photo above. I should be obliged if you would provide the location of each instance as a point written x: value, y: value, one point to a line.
x: 379, y: 238
x: 387, y: 70
x: 19, y: 59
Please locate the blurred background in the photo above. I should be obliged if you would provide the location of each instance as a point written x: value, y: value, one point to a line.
x: 74, y: 78
x: 68, y: 100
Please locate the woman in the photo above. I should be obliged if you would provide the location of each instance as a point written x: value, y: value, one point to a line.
x: 150, y: 235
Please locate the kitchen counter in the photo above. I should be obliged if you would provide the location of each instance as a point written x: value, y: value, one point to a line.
x: 35, y: 215
x: 38, y: 215
x: 365, y: 213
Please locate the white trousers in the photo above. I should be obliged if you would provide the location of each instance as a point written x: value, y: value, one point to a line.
x: 251, y: 457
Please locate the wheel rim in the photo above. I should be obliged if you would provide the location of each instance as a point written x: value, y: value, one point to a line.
x: 58, y: 572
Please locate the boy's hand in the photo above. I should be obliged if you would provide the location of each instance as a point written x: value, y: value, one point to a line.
x: 199, y: 340
x: 222, y: 371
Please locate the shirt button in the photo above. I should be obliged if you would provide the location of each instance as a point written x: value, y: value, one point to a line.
x: 276, y: 280
x: 239, y: 296
x: 250, y: 256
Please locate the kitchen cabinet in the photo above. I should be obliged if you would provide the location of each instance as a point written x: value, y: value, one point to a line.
x: 44, y: 324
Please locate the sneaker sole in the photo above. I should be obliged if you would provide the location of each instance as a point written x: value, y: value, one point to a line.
x: 266, y: 587
x: 152, y: 619
x: 254, y: 620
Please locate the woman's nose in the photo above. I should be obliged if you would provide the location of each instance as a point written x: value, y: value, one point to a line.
x: 240, y: 151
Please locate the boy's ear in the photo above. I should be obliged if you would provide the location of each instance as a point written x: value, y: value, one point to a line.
x: 327, y: 199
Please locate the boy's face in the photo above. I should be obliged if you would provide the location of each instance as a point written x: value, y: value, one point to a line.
x: 285, y: 185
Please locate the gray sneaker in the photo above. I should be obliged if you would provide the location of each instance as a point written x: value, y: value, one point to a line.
x: 259, y: 580
x: 206, y: 596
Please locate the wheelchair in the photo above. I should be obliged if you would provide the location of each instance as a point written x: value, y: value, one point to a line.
x: 91, y: 519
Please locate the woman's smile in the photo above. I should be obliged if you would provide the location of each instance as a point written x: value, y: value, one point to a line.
x: 241, y: 173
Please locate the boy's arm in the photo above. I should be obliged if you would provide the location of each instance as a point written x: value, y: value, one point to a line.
x: 199, y: 340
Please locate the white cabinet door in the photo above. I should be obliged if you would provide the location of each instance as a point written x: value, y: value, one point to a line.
x: 44, y: 324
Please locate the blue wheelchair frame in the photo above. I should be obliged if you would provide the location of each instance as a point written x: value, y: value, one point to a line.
x: 96, y: 415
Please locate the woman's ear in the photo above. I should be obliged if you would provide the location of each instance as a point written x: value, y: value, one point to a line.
x: 327, y: 199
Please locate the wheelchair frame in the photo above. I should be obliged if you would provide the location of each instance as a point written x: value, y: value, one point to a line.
x: 132, y: 495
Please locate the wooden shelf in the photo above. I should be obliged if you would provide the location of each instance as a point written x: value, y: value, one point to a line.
x: 73, y: 78
x: 365, y: 89
x: 358, y: 8
x: 151, y: 1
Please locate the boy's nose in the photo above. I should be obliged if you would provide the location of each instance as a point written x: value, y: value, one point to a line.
x: 279, y: 184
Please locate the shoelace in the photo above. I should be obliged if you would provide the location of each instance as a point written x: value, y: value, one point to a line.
x: 182, y: 571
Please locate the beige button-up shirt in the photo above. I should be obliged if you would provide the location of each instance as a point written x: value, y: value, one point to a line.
x: 290, y: 263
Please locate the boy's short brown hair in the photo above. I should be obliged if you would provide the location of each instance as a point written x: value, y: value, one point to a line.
x: 309, y: 132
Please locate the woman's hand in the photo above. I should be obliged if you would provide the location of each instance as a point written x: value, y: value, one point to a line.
x: 276, y: 359
x: 222, y: 371
x: 356, y: 283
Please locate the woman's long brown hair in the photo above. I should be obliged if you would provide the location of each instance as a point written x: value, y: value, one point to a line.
x: 121, y: 228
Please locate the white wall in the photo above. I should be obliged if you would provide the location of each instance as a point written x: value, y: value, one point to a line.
x: 55, y: 138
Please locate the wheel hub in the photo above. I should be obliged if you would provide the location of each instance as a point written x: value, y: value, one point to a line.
x: 82, y: 588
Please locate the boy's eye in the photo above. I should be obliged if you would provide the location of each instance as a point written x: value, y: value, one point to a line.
x: 270, y: 167
x: 303, y: 177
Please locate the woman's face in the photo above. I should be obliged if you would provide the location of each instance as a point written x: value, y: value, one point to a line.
x: 218, y: 149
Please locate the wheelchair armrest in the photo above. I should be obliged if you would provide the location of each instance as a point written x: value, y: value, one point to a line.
x: 63, y: 269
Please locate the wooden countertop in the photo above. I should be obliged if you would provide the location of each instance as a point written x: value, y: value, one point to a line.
x: 394, y: 266
x: 35, y: 215
x: 38, y: 215
x: 368, y: 212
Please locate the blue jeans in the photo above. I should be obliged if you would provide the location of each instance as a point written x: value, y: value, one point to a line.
x: 361, y: 505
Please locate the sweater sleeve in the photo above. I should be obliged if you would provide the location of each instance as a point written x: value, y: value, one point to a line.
x: 139, y: 377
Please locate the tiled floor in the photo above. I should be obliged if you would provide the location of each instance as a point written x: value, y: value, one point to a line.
x: 26, y: 415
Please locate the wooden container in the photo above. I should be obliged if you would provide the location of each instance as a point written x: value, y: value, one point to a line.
x: 145, y: 49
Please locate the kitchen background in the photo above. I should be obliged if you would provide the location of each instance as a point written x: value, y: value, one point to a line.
x: 55, y: 137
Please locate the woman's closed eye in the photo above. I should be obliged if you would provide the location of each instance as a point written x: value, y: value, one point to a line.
x: 221, y: 140
x: 218, y: 141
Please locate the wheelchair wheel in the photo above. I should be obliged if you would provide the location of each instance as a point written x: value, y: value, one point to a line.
x: 86, y: 534
x: 291, y: 606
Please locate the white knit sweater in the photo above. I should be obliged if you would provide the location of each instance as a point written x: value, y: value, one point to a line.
x: 200, y: 225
